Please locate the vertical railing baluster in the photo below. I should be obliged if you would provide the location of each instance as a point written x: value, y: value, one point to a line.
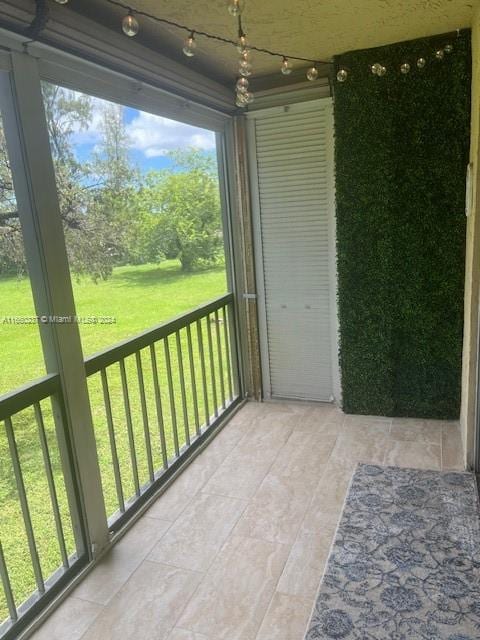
x: 128, y: 416
x: 182, y: 387
x: 146, y: 427
x: 227, y: 353
x: 173, y: 412
x: 51, y: 483
x: 220, y: 359
x: 7, y: 587
x: 234, y: 351
x: 22, y: 495
x: 212, y: 366
x: 193, y: 381
x: 201, y: 352
x: 113, y: 444
x: 158, y: 405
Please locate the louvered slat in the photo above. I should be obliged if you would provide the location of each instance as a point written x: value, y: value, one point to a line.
x: 294, y: 178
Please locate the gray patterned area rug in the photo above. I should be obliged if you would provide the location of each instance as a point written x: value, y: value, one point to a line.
x: 405, y: 562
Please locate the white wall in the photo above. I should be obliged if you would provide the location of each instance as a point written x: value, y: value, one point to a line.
x: 472, y: 267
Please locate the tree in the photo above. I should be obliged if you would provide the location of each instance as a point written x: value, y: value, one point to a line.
x: 86, y: 237
x: 115, y: 193
x: 93, y: 195
x: 112, y: 214
x: 186, y: 205
x: 12, y: 258
x: 111, y: 161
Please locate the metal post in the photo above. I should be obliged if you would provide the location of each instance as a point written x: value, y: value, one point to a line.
x: 33, y: 172
x: 242, y: 235
x: 233, y: 256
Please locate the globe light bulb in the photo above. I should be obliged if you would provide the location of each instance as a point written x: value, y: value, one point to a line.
x: 245, y: 59
x: 242, y: 85
x: 312, y: 74
x: 190, y: 46
x: 235, y: 7
x: 439, y: 54
x: 342, y: 75
x: 421, y: 62
x: 382, y: 71
x: 245, y: 70
x: 286, y: 67
x: 405, y: 68
x: 448, y: 48
x: 241, y: 100
x: 242, y: 43
x: 376, y: 68
x: 130, y: 25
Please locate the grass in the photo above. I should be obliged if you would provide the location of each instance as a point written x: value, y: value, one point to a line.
x: 138, y: 297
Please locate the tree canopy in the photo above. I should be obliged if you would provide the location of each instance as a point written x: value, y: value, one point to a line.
x: 112, y: 213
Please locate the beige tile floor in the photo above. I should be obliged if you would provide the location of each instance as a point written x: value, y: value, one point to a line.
x: 236, y: 547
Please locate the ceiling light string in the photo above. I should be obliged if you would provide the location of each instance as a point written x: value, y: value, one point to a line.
x: 212, y: 36
x: 131, y: 27
x: 421, y: 63
x: 244, y: 97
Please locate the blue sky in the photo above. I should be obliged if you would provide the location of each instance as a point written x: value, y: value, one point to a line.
x: 151, y: 137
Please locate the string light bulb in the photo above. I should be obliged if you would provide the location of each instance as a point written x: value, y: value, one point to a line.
x: 244, y: 58
x: 312, y: 73
x: 241, y: 100
x: 130, y: 26
x: 245, y: 69
x: 242, y: 85
x: 405, y: 68
x: 244, y: 98
x: 61, y: 1
x: 235, y: 7
x: 286, y: 67
x: 439, y: 54
x: 242, y: 43
x: 448, y: 48
x: 342, y: 75
x: 421, y: 62
x: 190, y: 46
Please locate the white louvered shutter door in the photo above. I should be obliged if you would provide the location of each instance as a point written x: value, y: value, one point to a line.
x: 295, y: 183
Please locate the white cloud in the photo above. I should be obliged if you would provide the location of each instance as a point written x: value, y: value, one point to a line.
x: 155, y: 152
x: 152, y: 135
x: 156, y: 136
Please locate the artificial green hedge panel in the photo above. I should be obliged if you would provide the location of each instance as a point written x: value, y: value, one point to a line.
x: 401, y: 147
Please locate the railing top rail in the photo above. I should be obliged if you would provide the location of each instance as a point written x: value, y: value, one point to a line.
x: 105, y: 358
x: 25, y: 396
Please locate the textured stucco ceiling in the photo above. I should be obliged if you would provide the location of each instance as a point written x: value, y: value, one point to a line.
x: 308, y: 28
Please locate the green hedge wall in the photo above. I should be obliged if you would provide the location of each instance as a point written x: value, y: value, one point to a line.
x: 401, y: 146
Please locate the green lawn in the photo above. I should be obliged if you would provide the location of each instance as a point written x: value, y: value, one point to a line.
x: 138, y: 297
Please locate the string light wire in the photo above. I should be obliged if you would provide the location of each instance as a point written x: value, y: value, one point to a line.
x: 244, y: 96
x: 210, y: 36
